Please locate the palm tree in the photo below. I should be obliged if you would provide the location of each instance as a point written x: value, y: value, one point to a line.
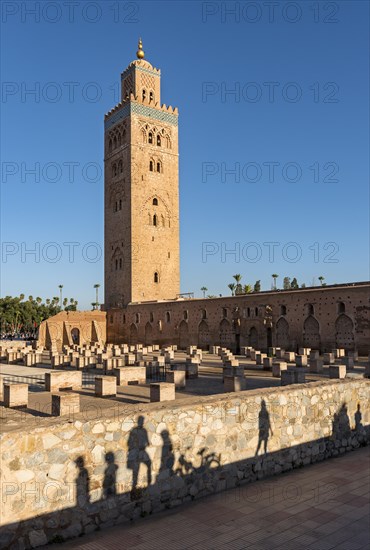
x: 97, y: 286
x: 204, y: 290
x: 38, y: 300
x: 238, y: 287
x: 65, y: 302
x: 94, y: 304
x: 321, y: 279
x: 232, y: 288
x: 247, y: 289
x: 60, y: 294
x: 274, y: 276
x: 21, y: 297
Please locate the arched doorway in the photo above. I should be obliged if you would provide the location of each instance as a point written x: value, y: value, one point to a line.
x: 183, y: 335
x: 344, y: 337
x: 75, y: 334
x: 148, y: 334
x: 282, y: 333
x: 227, y: 339
x: 133, y: 334
x: 203, y: 335
x: 253, y: 338
x: 311, y: 333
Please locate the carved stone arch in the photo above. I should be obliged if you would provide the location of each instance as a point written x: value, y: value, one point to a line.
x: 227, y: 334
x: 282, y: 333
x: 116, y: 194
x: 133, y: 334
x: 203, y: 335
x: 311, y: 333
x: 253, y: 337
x: 183, y: 335
x: 75, y: 335
x: 344, y: 332
x: 168, y: 141
x: 160, y: 208
x: 117, y: 259
x: 148, y: 334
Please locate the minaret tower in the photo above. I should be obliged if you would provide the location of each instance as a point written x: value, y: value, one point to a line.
x: 141, y: 183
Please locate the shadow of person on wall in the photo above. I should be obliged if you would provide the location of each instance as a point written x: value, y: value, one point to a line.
x: 138, y: 441
x: 358, y: 419
x: 168, y: 455
x: 110, y: 474
x: 341, y: 424
x: 264, y: 427
x: 82, y: 483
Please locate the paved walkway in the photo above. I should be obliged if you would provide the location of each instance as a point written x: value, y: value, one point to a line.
x: 321, y: 507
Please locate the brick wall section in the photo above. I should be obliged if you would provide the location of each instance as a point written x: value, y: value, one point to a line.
x: 321, y: 318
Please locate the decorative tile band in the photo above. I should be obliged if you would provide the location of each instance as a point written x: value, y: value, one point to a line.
x: 143, y: 110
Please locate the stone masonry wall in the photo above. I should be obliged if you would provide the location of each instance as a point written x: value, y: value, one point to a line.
x: 65, y: 478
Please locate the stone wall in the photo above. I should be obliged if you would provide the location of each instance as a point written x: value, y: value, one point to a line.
x: 320, y: 318
x: 192, y: 448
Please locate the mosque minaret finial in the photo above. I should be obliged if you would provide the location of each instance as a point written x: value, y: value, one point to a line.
x: 140, y: 52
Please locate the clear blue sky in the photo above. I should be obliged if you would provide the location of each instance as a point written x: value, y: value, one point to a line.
x: 312, y: 122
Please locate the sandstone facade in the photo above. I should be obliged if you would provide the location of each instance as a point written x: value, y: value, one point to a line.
x: 141, y: 234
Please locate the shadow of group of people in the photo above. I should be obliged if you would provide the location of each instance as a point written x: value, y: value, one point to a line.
x: 137, y: 454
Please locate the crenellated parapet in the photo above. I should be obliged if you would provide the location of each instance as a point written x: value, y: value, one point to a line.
x: 132, y: 104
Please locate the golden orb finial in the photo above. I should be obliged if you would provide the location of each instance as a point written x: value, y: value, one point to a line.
x: 140, y: 52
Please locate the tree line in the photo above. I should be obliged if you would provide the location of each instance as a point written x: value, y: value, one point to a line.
x: 238, y: 288
x: 22, y: 317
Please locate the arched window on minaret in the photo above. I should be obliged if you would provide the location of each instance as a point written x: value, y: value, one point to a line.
x: 159, y: 140
x: 120, y: 263
x: 119, y: 140
x: 151, y: 96
x: 151, y: 166
x: 114, y: 169
x: 159, y: 167
x: 156, y: 277
x: 114, y: 142
x: 120, y: 204
x: 150, y: 138
x: 144, y: 94
x: 155, y: 219
x: 155, y: 202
